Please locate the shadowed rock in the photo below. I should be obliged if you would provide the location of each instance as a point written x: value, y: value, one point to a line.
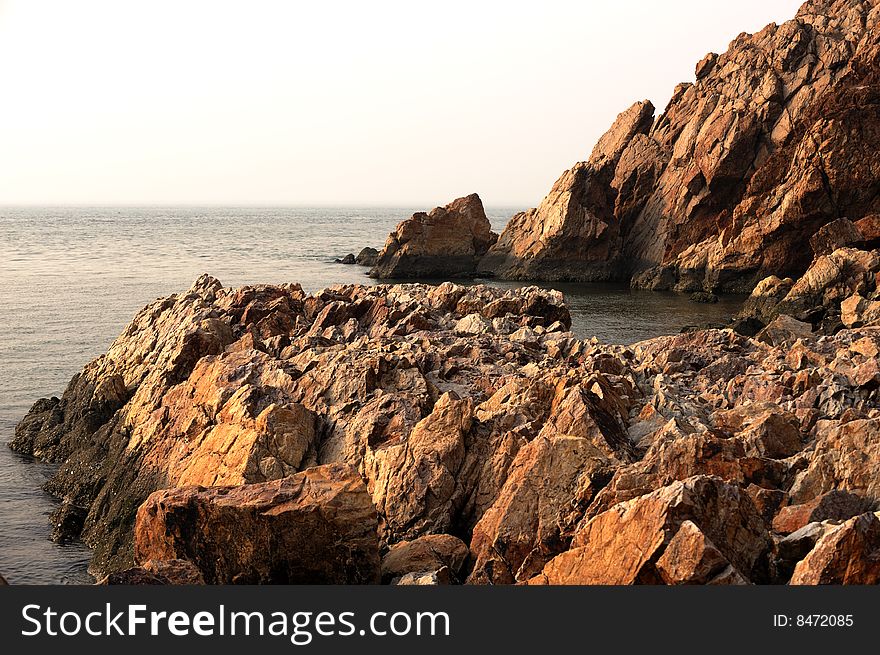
x: 318, y: 526
x: 447, y: 242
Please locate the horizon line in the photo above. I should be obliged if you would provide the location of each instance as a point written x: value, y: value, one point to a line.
x: 214, y: 205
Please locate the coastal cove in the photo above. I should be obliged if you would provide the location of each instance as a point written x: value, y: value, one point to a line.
x: 72, y: 278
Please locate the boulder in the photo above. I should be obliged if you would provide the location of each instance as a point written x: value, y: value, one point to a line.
x: 844, y: 458
x: 624, y: 545
x: 534, y: 517
x: 429, y: 553
x: 847, y: 554
x: 857, y: 311
x: 784, y: 331
x: 441, y: 576
x: 840, y: 233
x: 834, y: 505
x: 691, y: 558
x: 764, y: 299
x: 367, y: 257
x: 318, y: 526
x: 447, y: 242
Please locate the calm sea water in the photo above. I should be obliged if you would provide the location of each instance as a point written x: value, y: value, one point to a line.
x: 71, y: 278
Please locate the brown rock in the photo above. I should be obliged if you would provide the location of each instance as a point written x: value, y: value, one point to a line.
x: 845, y: 458
x: 624, y: 544
x: 765, y: 429
x: 367, y: 257
x: 765, y: 297
x: 534, y: 516
x: 847, y: 554
x: 447, y: 242
x: 834, y: 505
x: 840, y: 233
x: 317, y: 526
x: 869, y: 228
x: 429, y: 553
x: 690, y: 558
x: 857, y: 311
x: 441, y: 576
x: 784, y: 331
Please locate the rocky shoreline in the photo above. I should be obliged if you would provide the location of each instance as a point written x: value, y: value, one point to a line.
x: 445, y: 434
x: 418, y: 434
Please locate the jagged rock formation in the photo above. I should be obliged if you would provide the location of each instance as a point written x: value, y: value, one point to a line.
x: 775, y: 139
x: 460, y: 433
x: 318, y: 526
x: 447, y: 242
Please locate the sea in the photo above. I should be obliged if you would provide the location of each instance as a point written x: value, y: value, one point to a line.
x: 71, y: 278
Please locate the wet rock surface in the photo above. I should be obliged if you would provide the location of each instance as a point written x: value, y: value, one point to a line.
x: 443, y: 434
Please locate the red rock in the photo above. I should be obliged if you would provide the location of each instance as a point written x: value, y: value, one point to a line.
x: 839, y: 233
x: 845, y: 458
x: 534, y: 516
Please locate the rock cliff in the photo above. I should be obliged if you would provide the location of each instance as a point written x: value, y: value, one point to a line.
x: 774, y: 139
x: 426, y: 435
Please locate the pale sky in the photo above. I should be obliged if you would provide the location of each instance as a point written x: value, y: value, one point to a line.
x: 373, y: 102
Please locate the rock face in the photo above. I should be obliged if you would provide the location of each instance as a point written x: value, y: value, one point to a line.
x: 315, y: 527
x: 460, y: 432
x: 774, y: 141
x: 447, y: 242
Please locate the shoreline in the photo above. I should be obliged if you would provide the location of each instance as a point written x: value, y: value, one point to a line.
x: 340, y: 327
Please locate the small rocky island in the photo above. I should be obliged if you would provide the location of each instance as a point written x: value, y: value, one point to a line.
x: 418, y: 434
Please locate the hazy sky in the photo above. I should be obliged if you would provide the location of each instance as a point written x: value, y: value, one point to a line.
x: 369, y: 102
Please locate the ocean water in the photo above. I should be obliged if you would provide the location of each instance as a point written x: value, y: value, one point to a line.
x: 72, y: 278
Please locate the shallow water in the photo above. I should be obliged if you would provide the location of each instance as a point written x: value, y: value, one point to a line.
x: 71, y: 278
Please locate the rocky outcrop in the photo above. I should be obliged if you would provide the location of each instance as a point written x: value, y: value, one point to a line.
x: 769, y: 148
x: 445, y: 243
x: 463, y: 433
x: 315, y: 527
